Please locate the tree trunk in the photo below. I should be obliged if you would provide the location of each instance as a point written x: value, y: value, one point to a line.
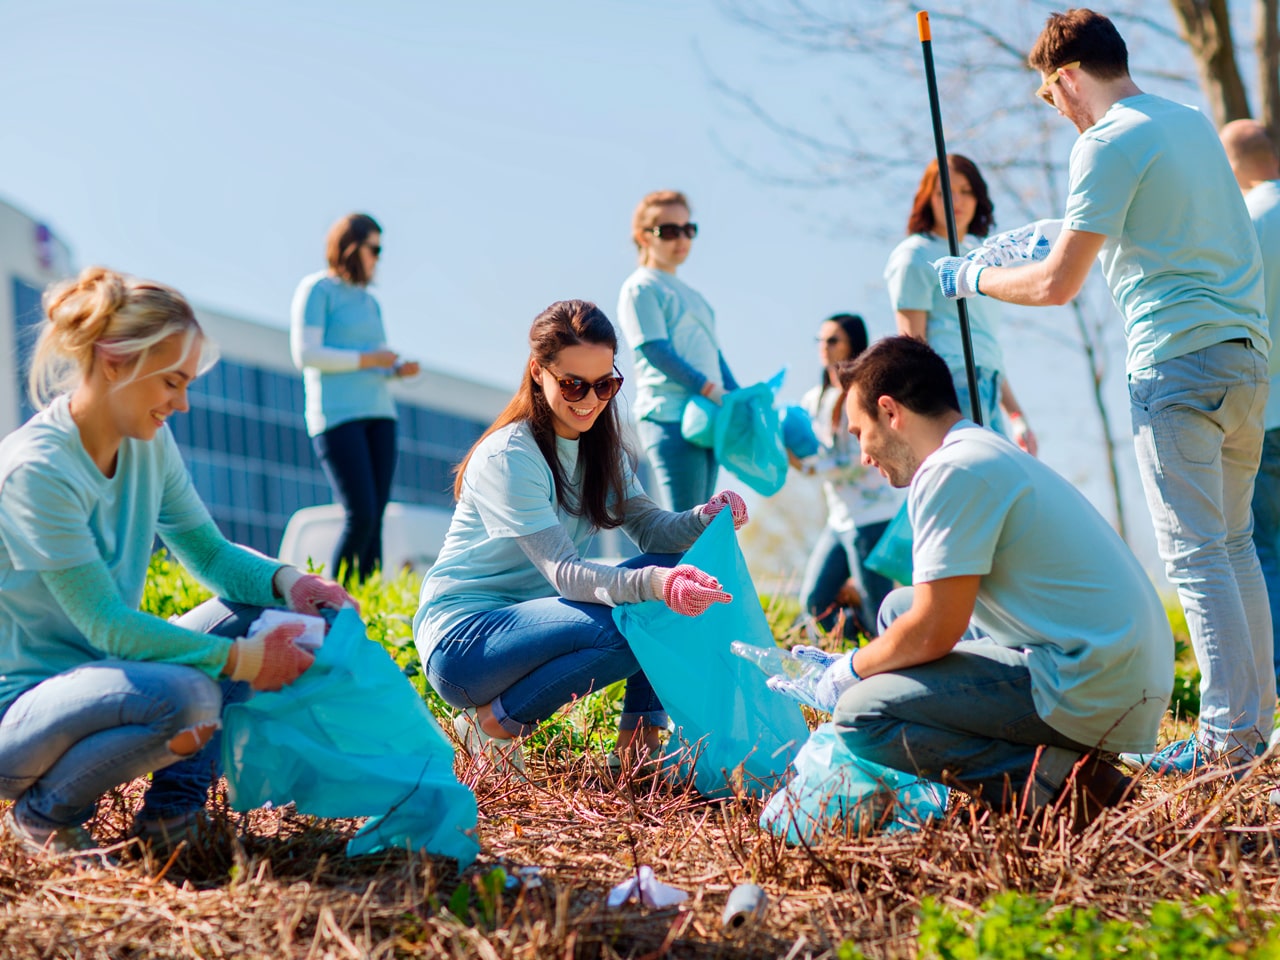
x: 1268, y: 48
x: 1206, y: 27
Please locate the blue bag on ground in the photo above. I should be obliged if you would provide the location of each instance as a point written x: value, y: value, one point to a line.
x: 833, y: 787
x: 352, y: 738
x: 718, y: 701
x: 891, y: 556
x: 749, y: 437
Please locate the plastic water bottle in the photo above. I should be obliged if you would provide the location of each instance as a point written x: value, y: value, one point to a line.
x: 775, y: 661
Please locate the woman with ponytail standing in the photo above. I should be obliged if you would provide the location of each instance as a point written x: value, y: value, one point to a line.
x: 513, y: 624
x: 337, y: 340
x: 94, y: 693
x: 672, y: 330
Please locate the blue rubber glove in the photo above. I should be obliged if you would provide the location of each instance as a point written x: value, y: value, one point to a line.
x: 822, y: 689
x: 958, y: 276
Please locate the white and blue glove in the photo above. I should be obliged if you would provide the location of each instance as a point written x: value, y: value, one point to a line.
x: 958, y: 277
x: 1029, y: 243
x: 819, y: 690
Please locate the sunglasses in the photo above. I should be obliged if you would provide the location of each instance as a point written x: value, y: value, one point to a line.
x: 669, y: 231
x: 1045, y: 90
x: 374, y: 248
x: 829, y: 341
x: 574, y: 389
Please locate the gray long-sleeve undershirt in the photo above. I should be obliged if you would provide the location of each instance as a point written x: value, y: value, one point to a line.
x: 653, y: 530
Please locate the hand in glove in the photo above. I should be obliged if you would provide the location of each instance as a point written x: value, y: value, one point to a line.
x: 831, y: 674
x: 270, y: 659
x: 307, y: 593
x: 958, y: 277
x: 726, y: 498
x: 687, y: 590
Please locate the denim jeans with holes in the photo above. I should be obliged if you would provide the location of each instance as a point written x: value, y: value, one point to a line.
x: 71, y: 738
x: 532, y: 658
x: 1197, y: 429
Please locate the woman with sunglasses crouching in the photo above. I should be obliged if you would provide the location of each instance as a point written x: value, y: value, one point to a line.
x: 513, y: 624
x: 94, y: 693
x: 672, y: 331
x: 337, y: 340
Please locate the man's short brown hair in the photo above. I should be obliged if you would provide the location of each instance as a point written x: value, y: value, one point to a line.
x: 1084, y: 35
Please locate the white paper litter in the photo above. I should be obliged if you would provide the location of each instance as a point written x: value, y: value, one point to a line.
x: 650, y: 891
x: 312, y: 637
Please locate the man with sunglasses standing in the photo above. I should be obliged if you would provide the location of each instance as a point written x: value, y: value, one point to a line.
x: 1152, y: 197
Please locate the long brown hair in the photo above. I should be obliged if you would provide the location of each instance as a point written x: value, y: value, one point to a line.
x: 921, y: 219
x: 568, y: 323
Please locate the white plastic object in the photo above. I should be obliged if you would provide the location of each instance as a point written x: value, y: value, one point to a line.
x: 313, y: 628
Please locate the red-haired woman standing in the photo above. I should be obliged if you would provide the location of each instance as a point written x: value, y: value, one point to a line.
x: 924, y: 313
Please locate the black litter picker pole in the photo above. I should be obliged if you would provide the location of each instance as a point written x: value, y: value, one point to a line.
x: 944, y: 181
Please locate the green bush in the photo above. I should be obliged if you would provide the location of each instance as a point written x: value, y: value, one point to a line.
x: 1017, y: 925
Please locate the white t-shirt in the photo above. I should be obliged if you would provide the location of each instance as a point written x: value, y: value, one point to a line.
x: 508, y: 491
x: 857, y: 495
x: 1057, y: 582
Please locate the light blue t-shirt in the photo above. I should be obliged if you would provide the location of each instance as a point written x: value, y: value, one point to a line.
x: 1263, y: 202
x: 1057, y: 582
x: 58, y: 511
x: 507, y: 492
x: 654, y: 305
x: 351, y: 319
x: 913, y: 285
x: 1180, y: 256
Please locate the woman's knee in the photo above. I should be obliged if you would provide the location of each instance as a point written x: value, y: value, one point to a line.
x: 194, y: 700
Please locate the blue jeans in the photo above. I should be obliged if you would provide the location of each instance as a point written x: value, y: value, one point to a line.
x: 1197, y: 429
x: 831, y: 564
x: 359, y: 458
x: 530, y: 659
x: 69, y: 739
x: 684, y: 475
x: 1266, y: 529
x: 988, y: 396
x: 967, y: 717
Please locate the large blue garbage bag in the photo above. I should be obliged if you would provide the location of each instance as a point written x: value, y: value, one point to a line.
x: 352, y: 738
x: 718, y: 701
x: 745, y: 431
x: 834, y: 786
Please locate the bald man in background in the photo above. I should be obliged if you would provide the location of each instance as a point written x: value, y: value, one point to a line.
x: 1257, y: 169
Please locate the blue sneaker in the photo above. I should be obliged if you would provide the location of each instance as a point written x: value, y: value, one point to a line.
x: 1185, y: 756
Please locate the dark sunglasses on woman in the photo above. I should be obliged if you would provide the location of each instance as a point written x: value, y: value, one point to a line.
x: 574, y: 389
x: 669, y: 231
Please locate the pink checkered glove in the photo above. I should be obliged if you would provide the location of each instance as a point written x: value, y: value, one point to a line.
x: 687, y: 590
x: 269, y: 660
x: 307, y: 593
x: 726, y: 498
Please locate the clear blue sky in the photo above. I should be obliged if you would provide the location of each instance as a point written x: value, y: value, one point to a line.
x: 501, y: 144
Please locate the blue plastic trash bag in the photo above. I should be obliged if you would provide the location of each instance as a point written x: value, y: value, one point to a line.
x: 718, y: 701
x: 698, y: 424
x: 749, y: 437
x: 797, y: 432
x: 352, y: 738
x: 833, y: 787
x: 892, y: 554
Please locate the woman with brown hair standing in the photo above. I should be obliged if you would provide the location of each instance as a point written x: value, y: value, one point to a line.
x: 337, y: 339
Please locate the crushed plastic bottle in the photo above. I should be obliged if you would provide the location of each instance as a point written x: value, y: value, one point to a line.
x: 776, y: 662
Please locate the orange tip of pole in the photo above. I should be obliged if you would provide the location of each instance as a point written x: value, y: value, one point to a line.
x: 922, y: 22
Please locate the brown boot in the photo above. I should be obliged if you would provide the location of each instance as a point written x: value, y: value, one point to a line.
x: 1092, y: 786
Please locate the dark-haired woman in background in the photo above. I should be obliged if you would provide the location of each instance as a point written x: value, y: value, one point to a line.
x: 337, y: 339
x: 860, y: 501
x: 923, y: 312
x: 513, y: 624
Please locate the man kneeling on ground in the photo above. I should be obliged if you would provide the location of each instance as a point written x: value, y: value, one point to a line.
x: 1032, y: 638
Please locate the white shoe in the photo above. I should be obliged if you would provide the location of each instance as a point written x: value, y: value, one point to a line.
x: 504, y: 755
